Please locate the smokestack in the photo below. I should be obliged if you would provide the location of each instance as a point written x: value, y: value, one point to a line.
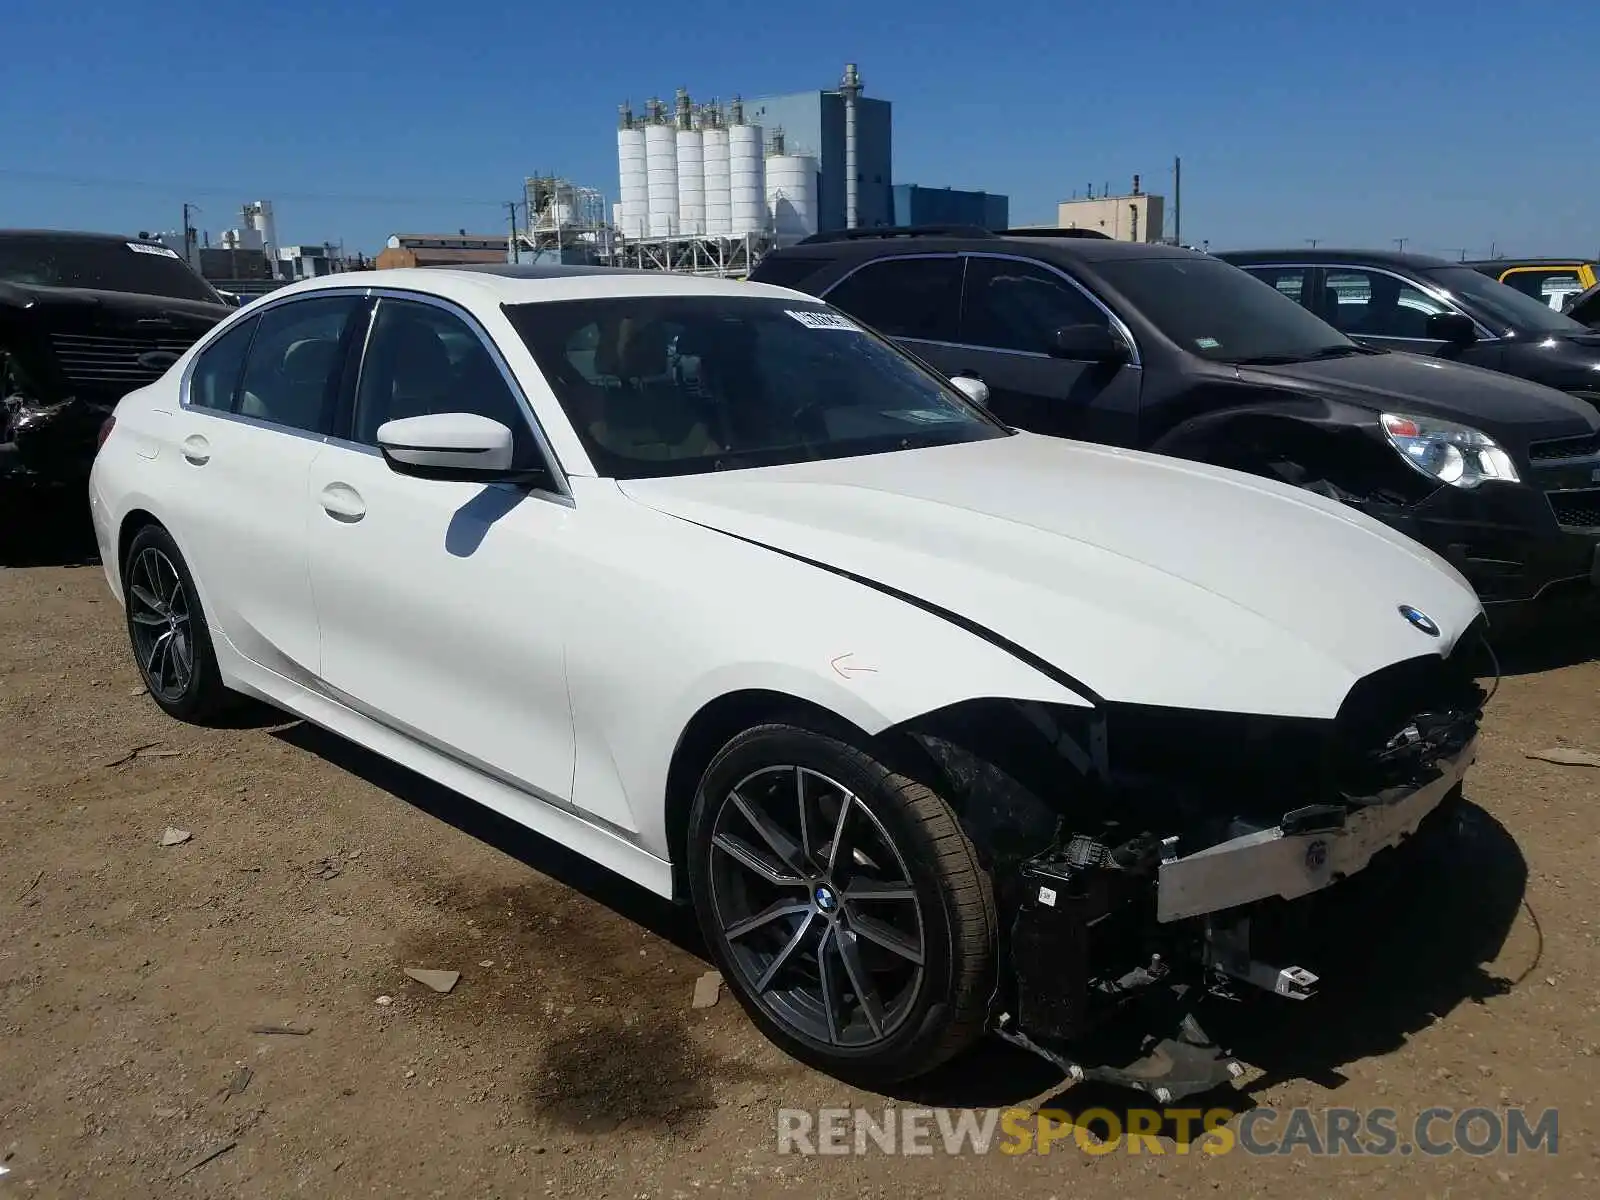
x: 1135, y: 185
x: 850, y: 88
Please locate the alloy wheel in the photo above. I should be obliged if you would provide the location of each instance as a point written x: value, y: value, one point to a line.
x: 817, y: 906
x: 158, y: 608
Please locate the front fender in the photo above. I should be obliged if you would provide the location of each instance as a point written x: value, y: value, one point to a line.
x: 650, y: 651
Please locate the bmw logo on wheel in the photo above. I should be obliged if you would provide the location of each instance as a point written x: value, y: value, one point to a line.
x: 1420, y: 619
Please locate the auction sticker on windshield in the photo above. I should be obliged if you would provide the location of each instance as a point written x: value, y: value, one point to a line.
x: 823, y: 320
x: 158, y: 251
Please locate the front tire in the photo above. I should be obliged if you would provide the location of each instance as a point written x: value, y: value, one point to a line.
x: 167, y: 630
x: 843, y: 903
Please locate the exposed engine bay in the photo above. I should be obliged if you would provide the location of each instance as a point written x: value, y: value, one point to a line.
x: 1143, y: 859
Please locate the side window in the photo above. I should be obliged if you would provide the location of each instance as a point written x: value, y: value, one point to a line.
x: 296, y: 361
x: 1291, y: 281
x: 905, y: 297
x: 422, y: 359
x: 1013, y: 305
x: 1547, y: 286
x: 214, y: 383
x: 1374, y: 304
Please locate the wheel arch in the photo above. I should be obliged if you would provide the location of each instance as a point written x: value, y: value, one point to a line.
x: 1303, y: 440
x: 134, y: 520
x: 720, y: 720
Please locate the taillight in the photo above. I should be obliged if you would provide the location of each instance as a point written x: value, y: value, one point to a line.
x: 105, y: 432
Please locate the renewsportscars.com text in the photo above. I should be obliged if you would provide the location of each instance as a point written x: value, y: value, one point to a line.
x: 1431, y: 1132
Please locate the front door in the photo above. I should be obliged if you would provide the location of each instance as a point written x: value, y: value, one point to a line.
x: 1378, y: 308
x: 1010, y: 311
x: 443, y: 605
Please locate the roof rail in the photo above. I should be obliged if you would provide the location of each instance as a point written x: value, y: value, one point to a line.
x: 898, y: 231
x: 1048, y: 232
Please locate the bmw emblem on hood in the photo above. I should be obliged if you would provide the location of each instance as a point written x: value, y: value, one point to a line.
x: 1420, y: 619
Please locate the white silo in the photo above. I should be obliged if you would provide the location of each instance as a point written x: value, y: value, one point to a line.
x: 634, y: 208
x: 691, y: 183
x: 719, y: 195
x: 746, y: 175
x: 661, y: 164
x: 792, y: 196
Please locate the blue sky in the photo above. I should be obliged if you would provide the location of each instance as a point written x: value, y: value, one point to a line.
x: 1454, y: 125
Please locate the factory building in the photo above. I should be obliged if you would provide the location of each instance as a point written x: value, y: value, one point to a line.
x: 709, y: 188
x: 818, y: 124
x: 1136, y: 217
x: 918, y: 205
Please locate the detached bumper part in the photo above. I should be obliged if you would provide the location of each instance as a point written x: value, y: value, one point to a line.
x: 1275, y: 863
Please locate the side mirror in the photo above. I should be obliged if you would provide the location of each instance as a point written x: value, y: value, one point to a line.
x: 975, y: 390
x: 1089, y: 343
x: 1455, y: 328
x: 460, y: 446
x: 231, y: 299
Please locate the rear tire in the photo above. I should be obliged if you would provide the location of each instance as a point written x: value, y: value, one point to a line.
x: 843, y: 903
x: 168, y: 632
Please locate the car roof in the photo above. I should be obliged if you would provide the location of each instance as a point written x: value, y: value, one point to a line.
x: 1048, y: 244
x: 512, y: 283
x: 74, y: 235
x: 1505, y: 264
x: 1335, y: 257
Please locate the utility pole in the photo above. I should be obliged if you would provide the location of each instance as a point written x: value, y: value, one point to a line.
x: 1177, y: 200
x: 516, y: 252
x: 188, y: 234
x: 1400, y: 244
x: 1312, y: 242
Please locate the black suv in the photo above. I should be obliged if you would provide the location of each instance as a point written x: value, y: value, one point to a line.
x: 85, y: 318
x: 1165, y: 349
x: 1430, y: 306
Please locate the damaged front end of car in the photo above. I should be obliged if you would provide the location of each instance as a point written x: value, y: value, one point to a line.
x: 1142, y: 857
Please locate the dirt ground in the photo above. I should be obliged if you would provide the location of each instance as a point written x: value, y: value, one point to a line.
x: 568, y: 1060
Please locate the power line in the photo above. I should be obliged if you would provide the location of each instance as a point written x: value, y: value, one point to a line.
x: 175, y: 189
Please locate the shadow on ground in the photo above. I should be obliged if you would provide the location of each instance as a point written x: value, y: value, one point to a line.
x: 1548, y: 636
x: 45, y: 527
x: 670, y: 922
x: 1397, y: 947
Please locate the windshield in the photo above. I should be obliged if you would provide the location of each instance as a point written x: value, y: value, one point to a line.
x: 1502, y: 304
x: 101, y: 265
x: 1213, y: 309
x: 677, y: 385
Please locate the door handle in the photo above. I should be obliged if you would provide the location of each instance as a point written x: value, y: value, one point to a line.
x: 196, y: 450
x: 343, y: 503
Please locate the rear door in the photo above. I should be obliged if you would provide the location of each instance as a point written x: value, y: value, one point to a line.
x: 257, y: 404
x: 1010, y: 310
x: 913, y: 298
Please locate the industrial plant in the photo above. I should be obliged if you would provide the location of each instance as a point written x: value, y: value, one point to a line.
x: 708, y: 188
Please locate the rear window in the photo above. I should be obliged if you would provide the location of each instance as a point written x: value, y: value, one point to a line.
x: 106, y: 266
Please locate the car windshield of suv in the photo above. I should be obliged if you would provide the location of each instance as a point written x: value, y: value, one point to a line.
x: 679, y: 385
x: 101, y: 265
x: 1504, y: 304
x: 1213, y: 309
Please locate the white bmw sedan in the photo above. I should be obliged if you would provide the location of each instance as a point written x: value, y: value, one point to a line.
x: 941, y: 727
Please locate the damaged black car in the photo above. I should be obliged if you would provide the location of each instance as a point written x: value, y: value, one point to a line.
x: 85, y: 318
x: 1165, y: 349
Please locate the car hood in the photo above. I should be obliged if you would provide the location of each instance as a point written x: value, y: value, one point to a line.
x: 1143, y: 578
x: 1505, y: 406
x: 114, y: 305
